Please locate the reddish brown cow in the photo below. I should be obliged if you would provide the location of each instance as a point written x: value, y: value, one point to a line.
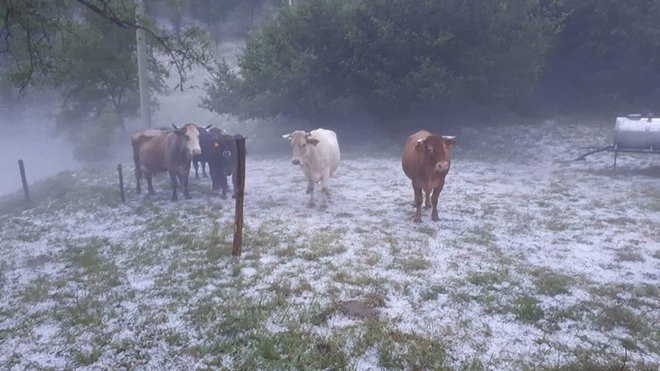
x: 157, y: 151
x: 426, y: 160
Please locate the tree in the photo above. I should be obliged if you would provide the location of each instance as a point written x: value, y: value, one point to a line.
x: 86, y: 50
x: 388, y: 57
x: 607, y: 55
x: 37, y: 35
x: 99, y: 84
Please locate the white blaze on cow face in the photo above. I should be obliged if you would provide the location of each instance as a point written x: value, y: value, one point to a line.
x: 192, y: 133
x: 301, y: 143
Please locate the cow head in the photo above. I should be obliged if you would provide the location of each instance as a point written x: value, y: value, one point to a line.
x: 223, y: 149
x: 190, y: 134
x: 301, y: 143
x: 437, y: 151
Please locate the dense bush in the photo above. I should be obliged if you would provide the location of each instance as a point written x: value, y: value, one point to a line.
x: 392, y: 57
x: 387, y: 57
x: 608, y: 53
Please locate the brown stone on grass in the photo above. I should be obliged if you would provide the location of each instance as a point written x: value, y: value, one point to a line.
x: 357, y: 309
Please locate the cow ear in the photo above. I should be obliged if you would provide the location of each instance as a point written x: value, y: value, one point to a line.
x: 312, y: 141
x: 174, y: 126
x: 449, y: 140
x: 420, y: 146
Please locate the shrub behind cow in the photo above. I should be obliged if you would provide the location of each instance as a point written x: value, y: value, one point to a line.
x: 426, y: 160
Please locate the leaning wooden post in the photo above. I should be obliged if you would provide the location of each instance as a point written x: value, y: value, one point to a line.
x: 121, y: 183
x: 240, y: 191
x: 21, y: 167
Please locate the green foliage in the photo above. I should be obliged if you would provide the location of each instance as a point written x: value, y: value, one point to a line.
x: 386, y: 56
x: 608, y: 52
x: 88, y: 52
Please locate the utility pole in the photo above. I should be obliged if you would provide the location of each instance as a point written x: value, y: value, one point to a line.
x: 143, y: 78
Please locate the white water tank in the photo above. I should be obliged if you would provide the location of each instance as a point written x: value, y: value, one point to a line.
x: 637, y: 133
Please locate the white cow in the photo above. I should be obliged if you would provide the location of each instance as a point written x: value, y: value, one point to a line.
x: 317, y: 153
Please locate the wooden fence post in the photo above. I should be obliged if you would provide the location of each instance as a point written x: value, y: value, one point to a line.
x: 121, y: 183
x: 240, y: 192
x: 21, y: 167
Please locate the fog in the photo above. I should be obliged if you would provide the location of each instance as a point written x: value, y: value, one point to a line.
x: 30, y: 130
x: 29, y: 134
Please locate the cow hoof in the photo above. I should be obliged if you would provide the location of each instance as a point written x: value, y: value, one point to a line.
x: 435, y: 218
x: 175, y: 199
x: 308, y: 191
x: 427, y: 207
x: 224, y: 197
x: 188, y: 197
x: 417, y: 219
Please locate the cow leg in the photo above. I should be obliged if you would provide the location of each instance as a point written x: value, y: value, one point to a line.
x: 173, y: 182
x: 224, y: 186
x: 204, y: 169
x: 427, y: 198
x: 138, y: 181
x: 214, y: 177
x: 434, y: 199
x: 150, y: 187
x: 233, y: 184
x: 183, y: 180
x: 324, y: 186
x: 310, y: 191
x: 418, y: 204
x: 195, y: 165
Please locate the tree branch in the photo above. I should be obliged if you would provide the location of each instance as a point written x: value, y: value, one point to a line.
x: 182, y: 58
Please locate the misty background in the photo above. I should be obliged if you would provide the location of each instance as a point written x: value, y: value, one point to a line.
x: 69, y: 95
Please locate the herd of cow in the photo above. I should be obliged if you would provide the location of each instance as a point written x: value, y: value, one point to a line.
x: 425, y: 160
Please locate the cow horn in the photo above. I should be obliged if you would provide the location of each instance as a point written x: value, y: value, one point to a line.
x: 287, y: 136
x: 420, y: 141
x: 175, y: 128
x: 449, y: 137
x: 208, y: 126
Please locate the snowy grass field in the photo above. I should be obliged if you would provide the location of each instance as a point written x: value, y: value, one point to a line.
x: 536, y: 263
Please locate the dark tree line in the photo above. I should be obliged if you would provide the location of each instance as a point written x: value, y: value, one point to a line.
x: 393, y: 57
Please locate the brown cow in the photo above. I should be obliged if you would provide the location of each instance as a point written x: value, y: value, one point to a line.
x: 426, y: 160
x: 157, y: 151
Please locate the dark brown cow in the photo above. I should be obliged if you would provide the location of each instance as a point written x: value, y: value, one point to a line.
x: 426, y: 160
x: 158, y: 151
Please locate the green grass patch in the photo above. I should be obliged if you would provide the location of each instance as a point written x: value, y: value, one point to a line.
x: 412, y: 263
x: 37, y: 290
x: 527, y: 309
x: 629, y: 254
x: 401, y: 351
x: 488, y: 280
x: 551, y: 283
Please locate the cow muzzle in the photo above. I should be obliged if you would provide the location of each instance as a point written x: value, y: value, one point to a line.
x: 226, y: 154
x: 442, y: 166
x: 295, y: 162
x: 196, y: 151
